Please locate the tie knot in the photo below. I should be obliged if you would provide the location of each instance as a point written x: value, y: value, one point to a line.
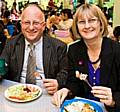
x: 32, y: 49
x: 31, y: 46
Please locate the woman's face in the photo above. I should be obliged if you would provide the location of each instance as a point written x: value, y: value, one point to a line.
x: 89, y: 27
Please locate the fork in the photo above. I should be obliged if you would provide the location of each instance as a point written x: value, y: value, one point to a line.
x: 78, y: 74
x: 37, y: 74
x: 88, y: 83
x: 66, y: 110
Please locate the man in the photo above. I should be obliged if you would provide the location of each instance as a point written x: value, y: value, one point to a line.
x: 50, y: 53
x: 3, y: 7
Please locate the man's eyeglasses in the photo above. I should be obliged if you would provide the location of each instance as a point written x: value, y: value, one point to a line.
x: 34, y: 23
x: 89, y: 21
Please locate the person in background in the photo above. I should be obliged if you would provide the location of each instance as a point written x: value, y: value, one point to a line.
x: 9, y: 27
x: 0, y: 9
x: 14, y: 13
x: 2, y: 37
x: 51, y: 5
x: 51, y: 19
x: 3, y: 7
x: 50, y: 54
x: 110, y: 31
x: 66, y: 20
x: 116, y: 32
x: 95, y: 56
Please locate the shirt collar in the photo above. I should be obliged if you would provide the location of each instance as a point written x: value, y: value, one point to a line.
x: 36, y: 43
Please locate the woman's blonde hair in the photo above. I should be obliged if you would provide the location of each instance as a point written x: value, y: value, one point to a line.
x: 89, y: 10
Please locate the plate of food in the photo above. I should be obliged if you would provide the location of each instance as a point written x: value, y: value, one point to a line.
x: 81, y: 105
x: 23, y: 92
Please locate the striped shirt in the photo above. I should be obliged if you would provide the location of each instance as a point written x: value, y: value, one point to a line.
x: 39, y: 61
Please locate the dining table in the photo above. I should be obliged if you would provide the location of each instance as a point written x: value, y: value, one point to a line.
x: 41, y: 104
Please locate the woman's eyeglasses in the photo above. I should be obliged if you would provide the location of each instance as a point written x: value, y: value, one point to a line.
x: 92, y: 21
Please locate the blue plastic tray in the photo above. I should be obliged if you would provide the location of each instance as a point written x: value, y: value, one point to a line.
x: 97, y: 105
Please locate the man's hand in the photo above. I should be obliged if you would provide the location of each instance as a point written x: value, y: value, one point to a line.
x: 51, y: 85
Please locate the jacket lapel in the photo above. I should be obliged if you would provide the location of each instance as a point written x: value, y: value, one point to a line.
x: 20, y: 47
x: 46, y: 54
x: 106, y: 63
x: 83, y: 58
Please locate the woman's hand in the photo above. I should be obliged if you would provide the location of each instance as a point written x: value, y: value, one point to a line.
x: 104, y: 94
x: 59, y: 96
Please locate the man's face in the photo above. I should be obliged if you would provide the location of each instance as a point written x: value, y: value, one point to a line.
x: 32, y: 23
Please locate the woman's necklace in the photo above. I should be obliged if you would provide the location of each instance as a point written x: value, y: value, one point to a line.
x: 95, y: 62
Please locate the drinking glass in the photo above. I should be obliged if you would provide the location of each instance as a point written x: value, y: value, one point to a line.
x: 2, y: 67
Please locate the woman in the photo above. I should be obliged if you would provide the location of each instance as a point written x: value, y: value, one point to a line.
x: 94, y: 55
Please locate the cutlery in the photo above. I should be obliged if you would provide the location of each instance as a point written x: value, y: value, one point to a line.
x: 82, y: 76
x: 88, y: 83
x: 66, y: 110
x: 37, y: 74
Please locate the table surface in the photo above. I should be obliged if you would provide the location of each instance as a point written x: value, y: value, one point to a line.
x: 42, y: 104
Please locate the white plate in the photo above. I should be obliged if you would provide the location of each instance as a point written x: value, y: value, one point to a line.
x: 17, y: 94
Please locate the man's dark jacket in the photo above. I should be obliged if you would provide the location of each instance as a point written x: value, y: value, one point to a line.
x: 54, y: 58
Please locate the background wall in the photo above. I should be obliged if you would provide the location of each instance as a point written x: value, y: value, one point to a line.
x: 10, y: 2
x: 116, y: 14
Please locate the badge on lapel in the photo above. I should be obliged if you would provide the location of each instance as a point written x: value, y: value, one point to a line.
x: 80, y: 62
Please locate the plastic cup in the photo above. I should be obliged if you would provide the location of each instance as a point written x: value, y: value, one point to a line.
x: 2, y: 67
